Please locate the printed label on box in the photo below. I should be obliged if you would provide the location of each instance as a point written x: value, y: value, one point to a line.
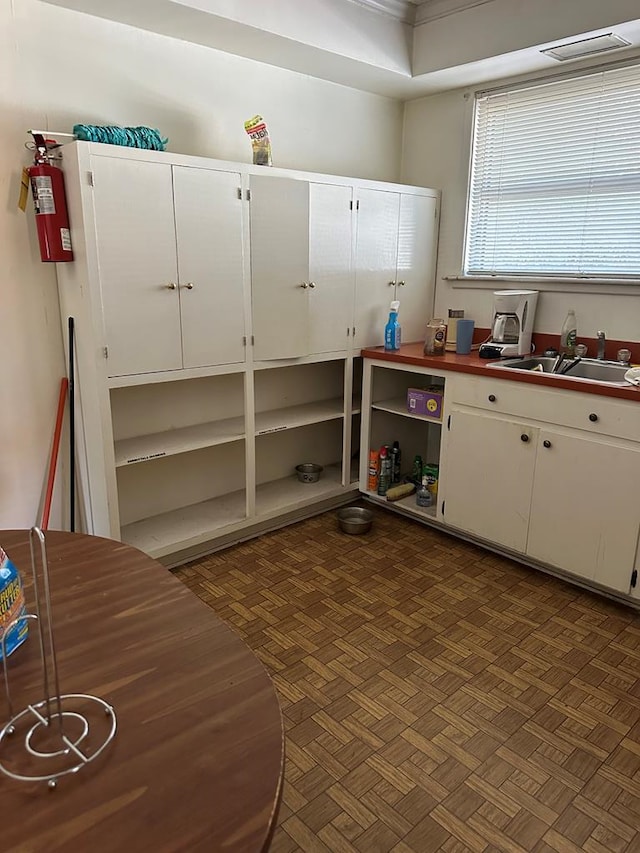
x: 425, y: 402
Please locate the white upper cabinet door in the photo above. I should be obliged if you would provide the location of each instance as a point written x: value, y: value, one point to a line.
x: 584, y: 509
x: 210, y: 265
x: 133, y: 204
x: 489, y: 475
x: 280, y: 267
x: 416, y: 261
x: 330, y: 268
x: 376, y: 260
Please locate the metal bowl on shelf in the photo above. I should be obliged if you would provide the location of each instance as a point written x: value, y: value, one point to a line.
x: 309, y: 472
x: 355, y: 520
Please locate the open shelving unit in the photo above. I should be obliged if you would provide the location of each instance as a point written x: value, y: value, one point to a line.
x: 180, y: 460
x: 180, y: 498
x: 386, y: 419
x: 300, y: 417
x: 182, y: 451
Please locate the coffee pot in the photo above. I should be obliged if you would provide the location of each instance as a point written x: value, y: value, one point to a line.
x: 513, y: 312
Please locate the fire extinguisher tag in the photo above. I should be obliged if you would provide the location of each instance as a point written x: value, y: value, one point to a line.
x: 43, y: 194
x: 65, y: 239
x: 24, y: 190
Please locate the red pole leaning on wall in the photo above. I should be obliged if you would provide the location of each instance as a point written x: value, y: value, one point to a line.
x: 53, y: 460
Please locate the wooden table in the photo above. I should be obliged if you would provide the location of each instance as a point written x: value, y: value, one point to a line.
x: 197, y: 760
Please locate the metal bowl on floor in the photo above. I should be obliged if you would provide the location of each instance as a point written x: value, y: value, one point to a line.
x: 355, y: 519
x: 309, y: 472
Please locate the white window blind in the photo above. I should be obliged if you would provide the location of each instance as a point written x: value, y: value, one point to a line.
x: 555, y: 179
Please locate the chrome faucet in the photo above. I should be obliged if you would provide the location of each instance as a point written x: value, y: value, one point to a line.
x: 601, y: 344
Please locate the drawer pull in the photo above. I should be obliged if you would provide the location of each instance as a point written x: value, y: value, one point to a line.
x: 492, y: 398
x: 524, y: 437
x: 546, y: 443
x: 593, y: 417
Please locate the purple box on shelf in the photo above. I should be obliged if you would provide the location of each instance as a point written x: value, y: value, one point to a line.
x: 426, y: 402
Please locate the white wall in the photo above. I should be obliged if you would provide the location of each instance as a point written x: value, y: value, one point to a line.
x: 436, y: 151
x: 58, y: 67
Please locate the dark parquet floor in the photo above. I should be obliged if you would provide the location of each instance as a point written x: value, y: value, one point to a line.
x: 436, y: 696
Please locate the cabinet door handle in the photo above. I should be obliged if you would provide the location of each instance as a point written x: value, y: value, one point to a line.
x: 401, y: 283
x: 524, y: 437
x: 188, y: 285
x: 492, y: 398
x: 392, y: 284
x: 304, y: 285
x: 312, y: 284
x: 546, y: 443
x: 593, y: 417
x: 171, y: 286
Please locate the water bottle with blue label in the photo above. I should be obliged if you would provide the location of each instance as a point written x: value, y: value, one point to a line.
x: 12, y: 607
x: 392, y: 333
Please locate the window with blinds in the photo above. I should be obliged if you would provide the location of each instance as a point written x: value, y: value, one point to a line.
x: 555, y: 179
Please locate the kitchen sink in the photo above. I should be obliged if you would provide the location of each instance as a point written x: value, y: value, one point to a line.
x: 590, y: 369
x: 526, y: 363
x: 599, y: 371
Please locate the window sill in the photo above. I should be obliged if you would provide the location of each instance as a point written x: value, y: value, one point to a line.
x: 610, y: 286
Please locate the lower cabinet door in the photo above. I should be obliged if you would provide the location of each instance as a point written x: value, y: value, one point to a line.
x: 584, y: 508
x: 489, y: 474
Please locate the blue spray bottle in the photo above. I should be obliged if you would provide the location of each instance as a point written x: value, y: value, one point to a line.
x: 392, y: 329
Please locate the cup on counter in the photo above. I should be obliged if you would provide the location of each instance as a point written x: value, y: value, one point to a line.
x: 464, y: 336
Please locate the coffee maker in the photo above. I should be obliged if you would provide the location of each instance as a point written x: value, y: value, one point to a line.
x: 513, y: 313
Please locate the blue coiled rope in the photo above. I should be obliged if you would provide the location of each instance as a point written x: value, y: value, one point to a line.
x: 131, y: 137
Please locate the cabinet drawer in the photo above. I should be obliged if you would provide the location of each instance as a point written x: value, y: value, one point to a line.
x: 591, y: 412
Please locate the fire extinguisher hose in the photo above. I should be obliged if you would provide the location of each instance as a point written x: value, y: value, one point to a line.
x: 53, y: 459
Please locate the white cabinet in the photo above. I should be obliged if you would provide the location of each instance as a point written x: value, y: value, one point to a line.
x: 584, y: 507
x: 133, y: 209
x: 415, y: 270
x: 180, y: 459
x: 301, y: 270
x: 561, y: 496
x: 395, y: 259
x: 210, y: 265
x: 188, y: 436
x: 489, y: 472
x: 170, y: 255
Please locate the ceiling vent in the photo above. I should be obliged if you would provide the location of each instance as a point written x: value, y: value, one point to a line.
x: 586, y: 47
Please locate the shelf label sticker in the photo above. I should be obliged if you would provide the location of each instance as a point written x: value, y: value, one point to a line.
x: 144, y: 458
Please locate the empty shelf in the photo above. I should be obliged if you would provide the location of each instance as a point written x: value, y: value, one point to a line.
x: 145, y: 447
x: 190, y: 525
x: 294, y: 416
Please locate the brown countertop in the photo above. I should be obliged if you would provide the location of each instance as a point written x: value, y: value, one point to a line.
x: 413, y: 354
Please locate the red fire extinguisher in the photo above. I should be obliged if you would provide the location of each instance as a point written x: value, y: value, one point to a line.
x: 52, y: 219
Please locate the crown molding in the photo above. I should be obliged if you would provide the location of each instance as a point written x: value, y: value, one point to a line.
x: 401, y: 10
x: 432, y: 10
